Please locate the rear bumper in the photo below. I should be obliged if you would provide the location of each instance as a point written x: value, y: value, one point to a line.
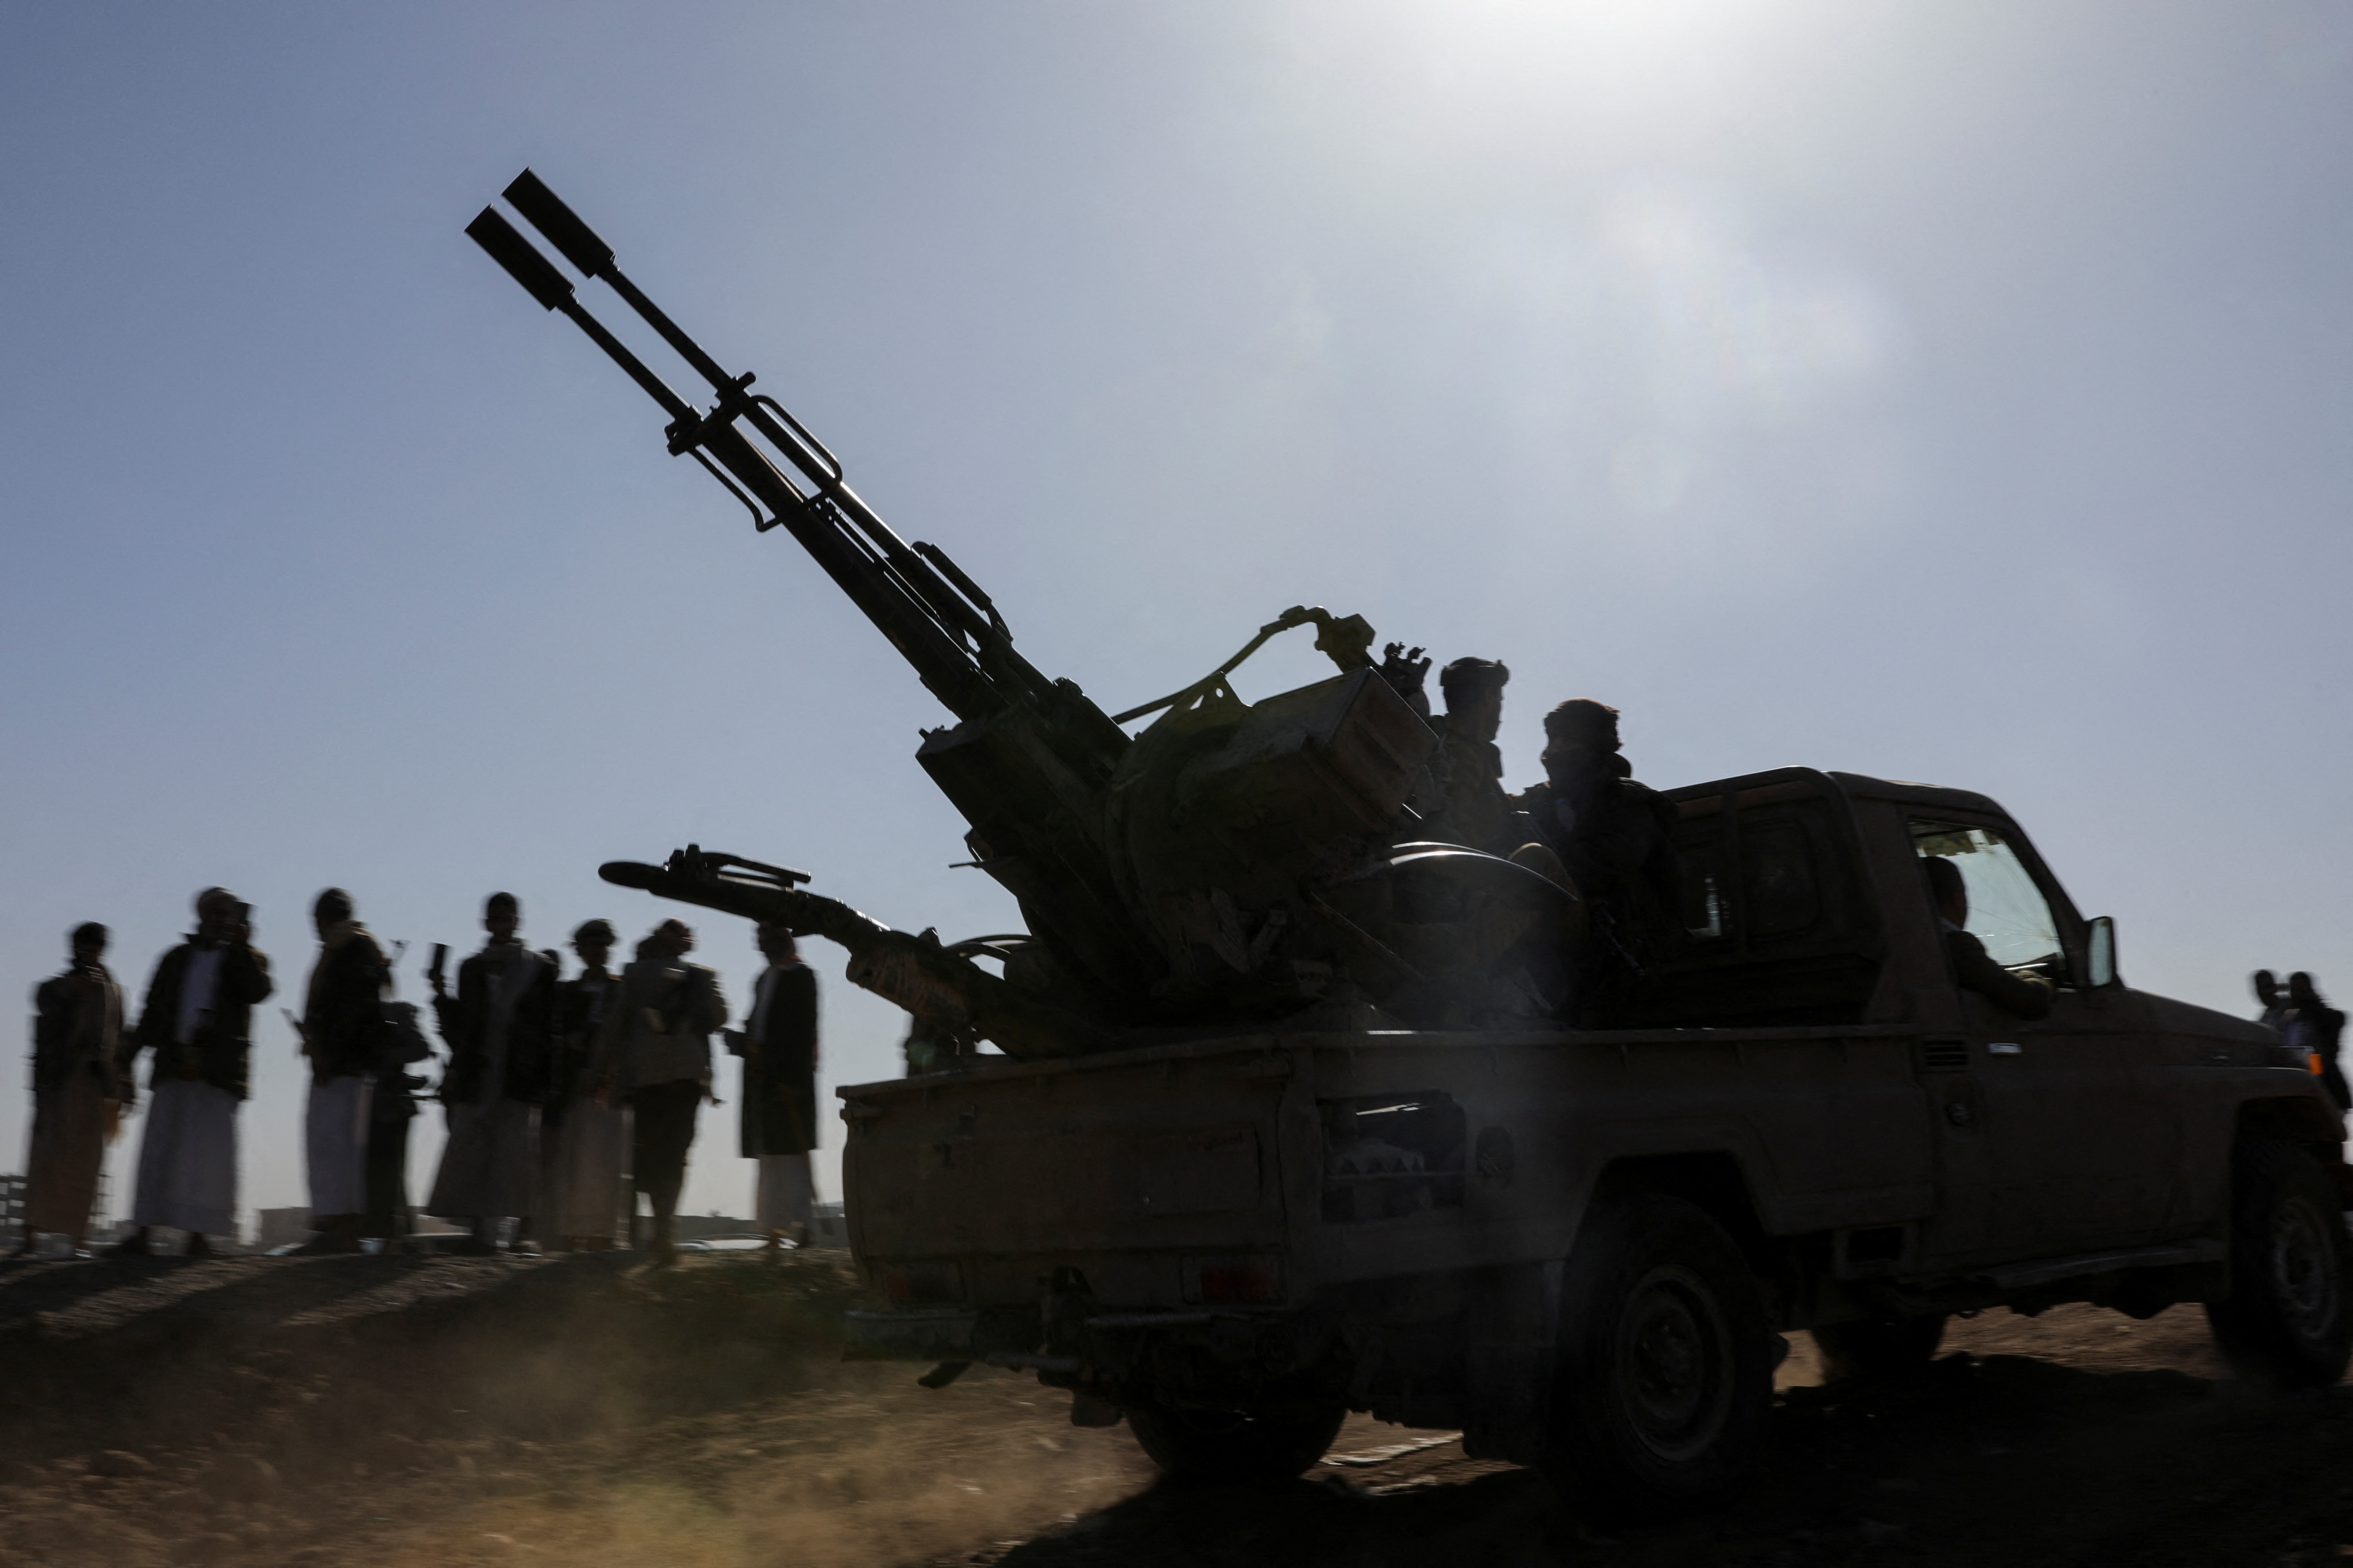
x: 943, y: 1333
x: 939, y: 1333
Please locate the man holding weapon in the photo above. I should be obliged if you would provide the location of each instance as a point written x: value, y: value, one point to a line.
x: 343, y: 1029
x: 498, y: 1028
x: 655, y: 1049
x: 198, y: 1020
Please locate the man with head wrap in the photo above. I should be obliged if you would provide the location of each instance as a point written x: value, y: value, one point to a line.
x: 584, y: 1143
x: 778, y: 1045
x: 2314, y: 1029
x: 78, y: 1091
x: 343, y: 1035
x: 655, y: 1049
x: 198, y: 1020
x: 1614, y: 838
x: 498, y: 1029
x: 1474, y: 812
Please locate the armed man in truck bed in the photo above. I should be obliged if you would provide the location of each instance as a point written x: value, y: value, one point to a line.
x: 1294, y: 1122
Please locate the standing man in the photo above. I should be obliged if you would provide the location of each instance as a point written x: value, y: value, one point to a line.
x: 2274, y: 996
x: 778, y: 1045
x: 655, y: 1050
x: 78, y: 1091
x: 1615, y: 839
x: 2313, y: 1031
x: 392, y: 1107
x: 198, y: 1019
x: 343, y: 1035
x: 497, y: 1028
x: 1475, y: 813
x: 584, y: 1141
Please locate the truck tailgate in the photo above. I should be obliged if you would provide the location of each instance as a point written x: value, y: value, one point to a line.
x: 1160, y: 1169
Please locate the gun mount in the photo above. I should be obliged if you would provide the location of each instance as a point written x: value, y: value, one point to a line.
x: 1235, y: 863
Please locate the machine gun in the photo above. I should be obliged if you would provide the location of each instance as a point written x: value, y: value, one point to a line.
x: 1230, y: 864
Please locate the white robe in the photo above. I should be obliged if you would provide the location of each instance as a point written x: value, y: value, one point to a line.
x: 490, y: 1164
x: 786, y: 1194
x: 587, y: 1155
x: 188, y: 1159
x: 334, y: 1136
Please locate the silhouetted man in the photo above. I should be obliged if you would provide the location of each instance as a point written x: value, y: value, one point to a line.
x: 78, y: 1091
x: 655, y: 1050
x: 2028, y: 995
x: 1614, y: 838
x: 778, y: 1045
x: 497, y: 1028
x: 2313, y: 1031
x: 1475, y: 813
x: 343, y: 1035
x: 198, y: 1020
x: 584, y: 1142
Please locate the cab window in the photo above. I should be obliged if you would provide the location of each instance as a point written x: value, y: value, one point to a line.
x: 2007, y: 911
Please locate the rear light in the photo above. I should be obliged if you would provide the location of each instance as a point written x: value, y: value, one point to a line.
x: 1234, y: 1279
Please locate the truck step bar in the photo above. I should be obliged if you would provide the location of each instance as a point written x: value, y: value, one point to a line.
x: 2048, y: 1270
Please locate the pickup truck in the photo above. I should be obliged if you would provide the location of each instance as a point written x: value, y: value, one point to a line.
x: 1581, y: 1247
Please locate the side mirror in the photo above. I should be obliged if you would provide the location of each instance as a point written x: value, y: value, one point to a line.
x: 2100, y: 952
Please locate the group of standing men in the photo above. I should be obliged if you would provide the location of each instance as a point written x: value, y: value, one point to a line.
x: 553, y: 1090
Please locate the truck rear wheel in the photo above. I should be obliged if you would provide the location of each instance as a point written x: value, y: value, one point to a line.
x: 1877, y: 1348
x: 1666, y: 1365
x: 1233, y: 1445
x: 2289, y: 1320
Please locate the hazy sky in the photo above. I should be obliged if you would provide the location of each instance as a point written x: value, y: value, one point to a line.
x: 1954, y: 392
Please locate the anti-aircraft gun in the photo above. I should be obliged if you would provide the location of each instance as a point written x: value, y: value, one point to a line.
x: 1234, y: 864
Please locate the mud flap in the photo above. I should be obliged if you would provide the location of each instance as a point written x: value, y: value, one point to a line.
x: 1511, y: 1327
x: 1094, y: 1410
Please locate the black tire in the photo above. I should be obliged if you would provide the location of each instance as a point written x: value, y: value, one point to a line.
x: 2288, y: 1322
x: 1666, y: 1365
x: 1229, y: 1446
x: 1877, y: 1349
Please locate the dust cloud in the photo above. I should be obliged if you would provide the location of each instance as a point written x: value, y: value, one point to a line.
x: 417, y: 1413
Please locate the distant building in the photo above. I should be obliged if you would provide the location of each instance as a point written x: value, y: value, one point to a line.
x: 12, y: 1205
x: 694, y: 1227
x: 276, y: 1227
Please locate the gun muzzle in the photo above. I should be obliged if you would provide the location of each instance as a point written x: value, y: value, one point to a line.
x: 545, y: 211
x: 524, y: 264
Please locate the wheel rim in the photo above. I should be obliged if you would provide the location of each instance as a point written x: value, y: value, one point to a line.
x: 1673, y: 1370
x: 2303, y: 1268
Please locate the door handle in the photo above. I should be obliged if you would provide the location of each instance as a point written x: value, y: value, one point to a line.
x: 2004, y: 1049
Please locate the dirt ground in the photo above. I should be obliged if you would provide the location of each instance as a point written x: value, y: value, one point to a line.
x: 401, y: 1412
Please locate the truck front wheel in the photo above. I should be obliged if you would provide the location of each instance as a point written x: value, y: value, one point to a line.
x: 1666, y: 1365
x: 1216, y: 1447
x: 2289, y: 1320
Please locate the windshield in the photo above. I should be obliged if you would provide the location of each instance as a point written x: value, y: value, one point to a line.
x: 2006, y: 912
